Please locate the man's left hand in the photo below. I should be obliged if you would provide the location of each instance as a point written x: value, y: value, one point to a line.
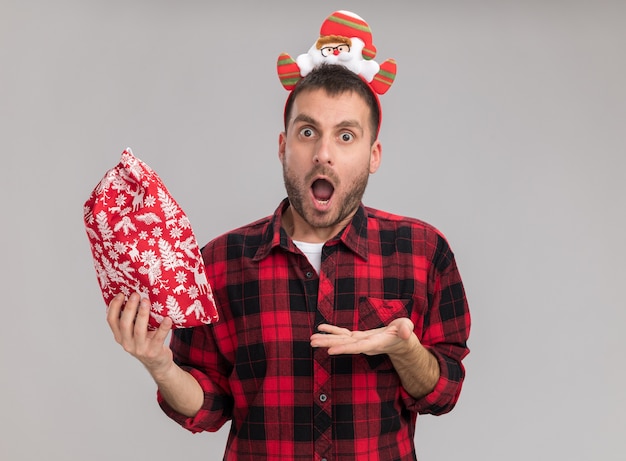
x: 395, y: 338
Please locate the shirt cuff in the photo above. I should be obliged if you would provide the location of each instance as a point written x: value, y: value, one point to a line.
x: 444, y: 396
x: 215, y: 410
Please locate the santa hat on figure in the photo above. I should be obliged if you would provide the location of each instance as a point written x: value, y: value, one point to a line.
x: 345, y: 39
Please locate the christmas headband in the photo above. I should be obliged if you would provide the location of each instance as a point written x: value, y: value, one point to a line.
x: 345, y: 39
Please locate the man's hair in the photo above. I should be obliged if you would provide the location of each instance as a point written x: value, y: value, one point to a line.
x: 336, y: 80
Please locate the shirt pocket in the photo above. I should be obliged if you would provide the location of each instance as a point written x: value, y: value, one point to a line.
x: 377, y: 313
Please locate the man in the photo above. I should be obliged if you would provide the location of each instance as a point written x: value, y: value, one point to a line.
x: 339, y: 324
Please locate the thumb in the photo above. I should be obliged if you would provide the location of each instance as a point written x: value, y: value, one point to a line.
x: 405, y: 329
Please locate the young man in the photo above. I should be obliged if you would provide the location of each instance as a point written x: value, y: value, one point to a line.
x: 338, y: 323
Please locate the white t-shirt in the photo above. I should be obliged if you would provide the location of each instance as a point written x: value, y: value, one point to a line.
x: 313, y: 251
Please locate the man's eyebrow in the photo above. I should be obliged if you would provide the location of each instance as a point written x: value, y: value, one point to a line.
x: 304, y: 118
x: 350, y: 124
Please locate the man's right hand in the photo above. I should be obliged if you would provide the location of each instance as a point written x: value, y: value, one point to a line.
x: 129, y: 324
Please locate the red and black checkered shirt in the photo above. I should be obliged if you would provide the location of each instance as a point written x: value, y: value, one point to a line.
x: 290, y: 401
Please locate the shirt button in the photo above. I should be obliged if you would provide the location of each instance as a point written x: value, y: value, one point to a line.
x: 323, y: 398
x: 309, y: 274
x: 324, y: 459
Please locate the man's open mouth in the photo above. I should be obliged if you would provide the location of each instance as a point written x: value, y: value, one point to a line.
x: 322, y: 190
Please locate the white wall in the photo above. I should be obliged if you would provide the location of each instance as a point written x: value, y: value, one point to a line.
x: 504, y: 128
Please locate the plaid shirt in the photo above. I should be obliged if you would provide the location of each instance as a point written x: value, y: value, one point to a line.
x: 289, y: 401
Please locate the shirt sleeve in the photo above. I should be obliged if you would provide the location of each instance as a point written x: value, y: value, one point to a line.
x: 445, y: 332
x: 193, y: 353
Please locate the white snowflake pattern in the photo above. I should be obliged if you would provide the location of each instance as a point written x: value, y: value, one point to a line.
x: 149, y: 201
x: 114, y: 255
x: 184, y: 222
x: 192, y: 292
x: 151, y: 242
x: 181, y: 277
x: 176, y: 232
x: 120, y: 200
x: 149, y: 257
x: 157, y: 307
x: 143, y: 235
x: 157, y: 232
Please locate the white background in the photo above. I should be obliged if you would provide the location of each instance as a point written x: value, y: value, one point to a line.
x: 504, y: 128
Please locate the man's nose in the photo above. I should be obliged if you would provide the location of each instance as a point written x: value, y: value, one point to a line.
x: 323, y: 153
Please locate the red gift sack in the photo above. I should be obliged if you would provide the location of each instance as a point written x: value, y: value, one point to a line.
x: 142, y: 241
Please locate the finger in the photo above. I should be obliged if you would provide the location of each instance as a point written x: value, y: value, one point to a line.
x: 353, y: 347
x: 163, y: 330
x: 140, y: 328
x: 333, y: 330
x: 127, y: 321
x: 326, y: 340
x: 319, y: 340
x: 113, y: 315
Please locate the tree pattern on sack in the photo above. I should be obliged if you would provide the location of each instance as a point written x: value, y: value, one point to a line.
x: 142, y: 241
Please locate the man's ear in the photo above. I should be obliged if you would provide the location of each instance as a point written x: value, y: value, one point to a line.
x: 375, y: 156
x: 282, y: 142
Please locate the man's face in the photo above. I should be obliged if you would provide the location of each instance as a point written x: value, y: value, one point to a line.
x: 327, y: 157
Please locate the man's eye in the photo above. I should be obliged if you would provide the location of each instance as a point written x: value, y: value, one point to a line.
x: 347, y: 137
x: 306, y: 132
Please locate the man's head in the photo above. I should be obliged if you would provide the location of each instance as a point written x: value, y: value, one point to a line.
x: 328, y: 150
x: 336, y: 80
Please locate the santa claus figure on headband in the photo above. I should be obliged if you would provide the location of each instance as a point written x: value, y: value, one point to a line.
x: 345, y: 39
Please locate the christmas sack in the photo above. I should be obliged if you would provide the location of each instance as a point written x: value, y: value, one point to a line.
x: 142, y: 241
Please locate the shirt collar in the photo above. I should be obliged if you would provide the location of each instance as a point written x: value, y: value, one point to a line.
x: 353, y: 236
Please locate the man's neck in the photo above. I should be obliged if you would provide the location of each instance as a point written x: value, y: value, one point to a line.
x: 298, y: 229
